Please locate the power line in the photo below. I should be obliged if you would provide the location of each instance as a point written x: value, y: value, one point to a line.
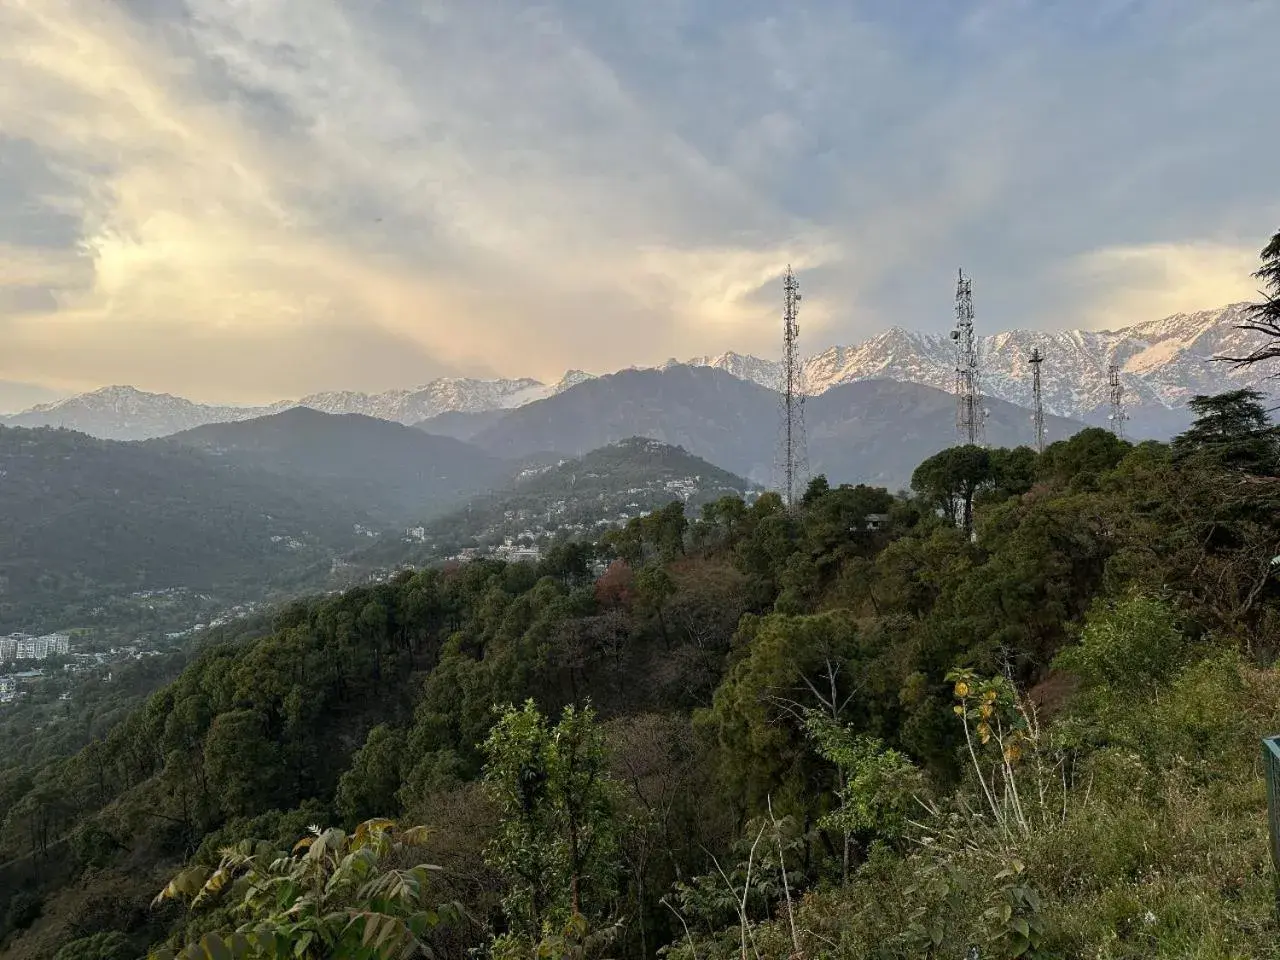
x: 793, y: 465
x: 1037, y: 415
x: 970, y: 415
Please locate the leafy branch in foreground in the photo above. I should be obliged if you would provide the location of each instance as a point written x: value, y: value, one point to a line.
x: 335, y: 896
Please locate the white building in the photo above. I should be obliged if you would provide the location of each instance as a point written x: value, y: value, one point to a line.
x: 22, y: 646
x: 9, y: 647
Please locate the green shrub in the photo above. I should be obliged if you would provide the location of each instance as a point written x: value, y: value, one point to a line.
x: 112, y: 945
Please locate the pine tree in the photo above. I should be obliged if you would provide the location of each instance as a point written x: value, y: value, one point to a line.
x: 1231, y: 432
x: 1264, y: 317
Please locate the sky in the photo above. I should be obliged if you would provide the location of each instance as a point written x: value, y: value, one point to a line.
x: 248, y: 200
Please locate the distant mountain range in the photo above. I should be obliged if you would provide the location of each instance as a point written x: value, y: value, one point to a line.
x: 126, y: 413
x: 872, y: 431
x: 272, y: 501
x: 1163, y: 363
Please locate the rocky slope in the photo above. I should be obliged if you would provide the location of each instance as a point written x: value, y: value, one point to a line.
x: 1163, y: 363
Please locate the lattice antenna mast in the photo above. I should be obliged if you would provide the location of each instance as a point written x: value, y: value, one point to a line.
x: 1037, y: 415
x: 793, y: 457
x: 1116, y: 393
x: 970, y: 415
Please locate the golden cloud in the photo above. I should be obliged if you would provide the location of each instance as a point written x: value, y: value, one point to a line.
x: 1131, y: 284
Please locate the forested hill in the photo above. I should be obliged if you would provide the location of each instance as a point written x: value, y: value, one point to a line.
x: 394, y: 472
x: 82, y: 518
x: 551, y: 498
x: 794, y: 733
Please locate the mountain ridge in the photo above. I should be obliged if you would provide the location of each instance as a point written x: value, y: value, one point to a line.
x: 869, y: 431
x: 1163, y: 363
x: 393, y: 471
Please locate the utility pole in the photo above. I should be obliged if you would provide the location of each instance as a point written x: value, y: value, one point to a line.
x: 1116, y: 393
x: 793, y: 465
x: 1037, y: 416
x: 970, y: 415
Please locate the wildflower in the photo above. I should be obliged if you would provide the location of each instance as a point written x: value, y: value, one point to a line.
x: 984, y: 732
x: 962, y: 689
x: 986, y: 710
x: 1012, y: 752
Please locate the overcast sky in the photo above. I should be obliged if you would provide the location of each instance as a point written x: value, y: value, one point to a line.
x: 245, y: 200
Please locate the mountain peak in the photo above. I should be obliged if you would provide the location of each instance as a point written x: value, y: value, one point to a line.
x: 115, y: 393
x: 1165, y: 362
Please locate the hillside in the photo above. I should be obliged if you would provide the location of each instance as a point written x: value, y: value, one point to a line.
x: 877, y: 431
x: 392, y: 472
x: 460, y: 424
x: 867, y: 432
x: 82, y: 518
x: 555, y: 498
x: 711, y: 414
x: 1039, y: 741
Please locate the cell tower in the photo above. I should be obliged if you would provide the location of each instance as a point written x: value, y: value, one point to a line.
x: 1116, y: 393
x: 970, y: 415
x: 1037, y: 416
x: 793, y: 465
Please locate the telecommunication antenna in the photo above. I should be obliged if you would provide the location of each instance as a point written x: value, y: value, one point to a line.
x: 970, y: 415
x: 1116, y: 393
x: 793, y: 465
x: 1037, y: 415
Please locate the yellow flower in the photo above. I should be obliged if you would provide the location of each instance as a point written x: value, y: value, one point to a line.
x: 986, y: 710
x: 984, y: 732
x: 1012, y: 752
x: 962, y: 689
x: 959, y: 710
x: 989, y: 696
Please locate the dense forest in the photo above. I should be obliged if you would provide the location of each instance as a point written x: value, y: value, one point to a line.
x: 85, y: 521
x: 1021, y: 718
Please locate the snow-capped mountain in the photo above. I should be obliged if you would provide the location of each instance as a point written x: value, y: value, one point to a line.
x: 409, y: 406
x: 446, y: 395
x: 1163, y: 363
x: 126, y: 413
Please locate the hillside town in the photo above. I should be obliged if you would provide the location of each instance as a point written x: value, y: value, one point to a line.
x: 25, y: 646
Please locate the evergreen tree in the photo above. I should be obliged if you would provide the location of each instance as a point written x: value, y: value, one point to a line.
x: 951, y: 479
x: 1231, y: 432
x: 1264, y: 317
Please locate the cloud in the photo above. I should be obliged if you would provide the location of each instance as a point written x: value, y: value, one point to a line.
x: 247, y: 200
x: 1121, y: 286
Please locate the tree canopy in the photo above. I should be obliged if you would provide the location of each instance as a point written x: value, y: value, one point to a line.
x: 1014, y: 710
